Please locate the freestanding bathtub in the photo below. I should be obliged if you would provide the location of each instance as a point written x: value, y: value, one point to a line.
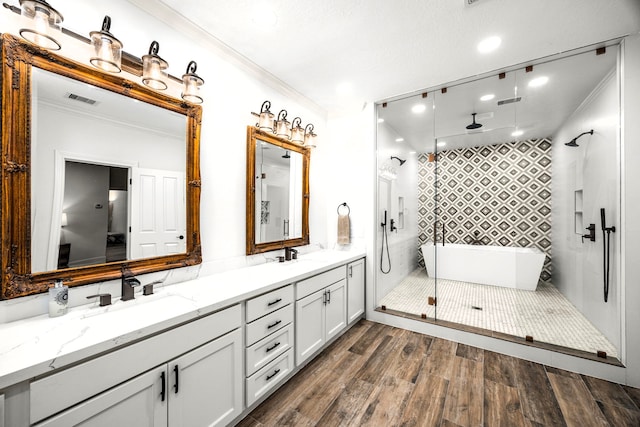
x: 504, y: 266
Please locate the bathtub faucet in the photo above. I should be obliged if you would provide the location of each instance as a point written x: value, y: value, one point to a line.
x: 435, y: 233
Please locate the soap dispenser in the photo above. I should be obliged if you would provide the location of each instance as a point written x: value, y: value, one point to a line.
x: 58, y: 298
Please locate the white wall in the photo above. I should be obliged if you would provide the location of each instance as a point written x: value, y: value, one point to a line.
x: 593, y: 167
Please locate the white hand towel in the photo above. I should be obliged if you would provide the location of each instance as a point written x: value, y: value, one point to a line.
x: 343, y: 229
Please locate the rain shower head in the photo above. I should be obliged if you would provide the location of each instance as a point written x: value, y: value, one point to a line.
x: 398, y: 159
x: 474, y: 125
x: 573, y: 142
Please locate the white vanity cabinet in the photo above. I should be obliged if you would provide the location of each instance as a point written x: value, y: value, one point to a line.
x: 355, y: 290
x: 321, y: 311
x: 201, y: 387
x: 269, y: 340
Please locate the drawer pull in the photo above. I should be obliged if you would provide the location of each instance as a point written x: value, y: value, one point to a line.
x: 175, y: 386
x: 274, y: 324
x: 273, y: 347
x: 274, y: 374
x: 274, y: 302
x: 163, y: 389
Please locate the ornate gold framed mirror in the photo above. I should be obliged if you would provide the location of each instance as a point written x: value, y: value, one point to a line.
x: 47, y: 141
x: 277, y: 192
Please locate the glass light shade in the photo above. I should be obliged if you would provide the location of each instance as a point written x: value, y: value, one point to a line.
x: 282, y: 128
x: 297, y: 132
x: 309, y: 136
x: 45, y: 24
x: 64, y: 221
x: 265, y: 120
x: 191, y: 84
x: 282, y: 125
x: 154, y: 69
x: 107, y: 49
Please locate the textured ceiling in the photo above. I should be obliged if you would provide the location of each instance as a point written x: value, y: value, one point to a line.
x: 385, y: 48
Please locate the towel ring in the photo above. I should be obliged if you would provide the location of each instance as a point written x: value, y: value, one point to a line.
x: 345, y: 205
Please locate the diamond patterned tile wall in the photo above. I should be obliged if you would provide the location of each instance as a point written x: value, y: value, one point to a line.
x: 498, y: 195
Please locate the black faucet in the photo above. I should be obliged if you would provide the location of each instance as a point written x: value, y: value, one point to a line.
x: 128, y: 283
x: 290, y: 253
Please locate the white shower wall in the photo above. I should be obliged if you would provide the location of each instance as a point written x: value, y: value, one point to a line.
x: 592, y: 168
x: 398, y: 196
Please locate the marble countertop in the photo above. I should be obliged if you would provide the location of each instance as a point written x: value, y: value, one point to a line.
x: 37, y: 345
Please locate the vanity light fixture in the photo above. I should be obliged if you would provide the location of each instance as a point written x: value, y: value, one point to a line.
x: 64, y: 220
x: 108, y: 49
x: 282, y: 125
x: 297, y: 132
x: 45, y: 24
x: 309, y: 136
x: 154, y: 68
x: 191, y: 84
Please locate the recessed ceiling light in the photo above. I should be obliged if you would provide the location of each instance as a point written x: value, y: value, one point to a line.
x: 489, y: 44
x: 487, y: 97
x: 419, y: 108
x: 380, y: 120
x: 517, y: 133
x: 399, y: 139
x: 441, y: 144
x: 264, y: 15
x: 344, y: 89
x: 539, y: 81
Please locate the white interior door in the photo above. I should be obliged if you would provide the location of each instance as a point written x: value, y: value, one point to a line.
x: 158, y: 206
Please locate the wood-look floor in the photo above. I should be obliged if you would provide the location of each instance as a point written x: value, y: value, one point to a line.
x: 378, y: 375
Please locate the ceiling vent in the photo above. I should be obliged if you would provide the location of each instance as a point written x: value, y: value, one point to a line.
x: 509, y: 100
x: 81, y: 98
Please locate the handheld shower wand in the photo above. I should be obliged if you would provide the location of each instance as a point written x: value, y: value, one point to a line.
x: 606, y: 251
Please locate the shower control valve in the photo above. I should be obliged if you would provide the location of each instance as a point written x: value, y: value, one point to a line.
x: 591, y: 235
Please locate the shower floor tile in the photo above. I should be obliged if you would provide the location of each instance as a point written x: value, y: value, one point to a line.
x: 545, y: 314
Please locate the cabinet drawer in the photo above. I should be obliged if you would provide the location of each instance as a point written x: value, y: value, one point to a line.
x: 267, y: 303
x: 268, y: 324
x: 308, y: 286
x: 264, y: 351
x: 65, y: 388
x: 268, y: 377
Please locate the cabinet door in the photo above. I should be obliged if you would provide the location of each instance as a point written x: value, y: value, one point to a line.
x: 355, y: 290
x: 310, y: 330
x: 205, y: 387
x: 336, y: 309
x: 137, y: 402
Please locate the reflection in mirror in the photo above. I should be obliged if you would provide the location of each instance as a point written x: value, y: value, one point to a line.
x: 511, y: 197
x: 86, y: 143
x: 277, y: 192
